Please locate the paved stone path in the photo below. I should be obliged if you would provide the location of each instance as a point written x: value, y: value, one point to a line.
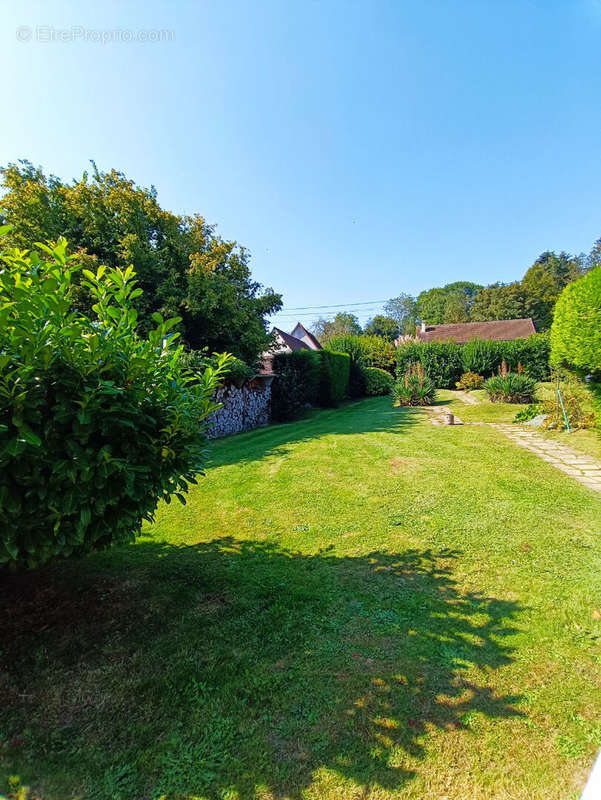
x: 436, y: 415
x: 585, y: 469
x: 467, y: 398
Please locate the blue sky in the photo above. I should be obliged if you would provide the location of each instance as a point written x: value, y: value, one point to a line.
x: 358, y: 149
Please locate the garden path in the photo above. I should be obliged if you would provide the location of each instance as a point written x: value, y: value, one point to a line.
x: 585, y: 469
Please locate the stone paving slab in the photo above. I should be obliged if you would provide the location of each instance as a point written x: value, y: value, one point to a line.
x: 585, y: 469
x: 466, y: 397
x: 436, y: 415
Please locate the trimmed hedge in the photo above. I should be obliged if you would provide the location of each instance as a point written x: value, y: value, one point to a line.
x: 370, y: 351
x: 333, y: 377
x: 576, y: 329
x: 445, y: 362
x: 296, y: 384
x: 576, y: 332
x: 308, y: 377
x: 441, y: 361
x: 378, y: 381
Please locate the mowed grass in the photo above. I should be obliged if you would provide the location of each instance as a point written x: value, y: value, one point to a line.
x: 358, y: 605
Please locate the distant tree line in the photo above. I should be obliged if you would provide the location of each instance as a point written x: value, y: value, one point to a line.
x: 182, y: 266
x: 533, y: 296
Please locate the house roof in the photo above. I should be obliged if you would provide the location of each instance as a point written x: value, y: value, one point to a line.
x: 309, y: 335
x: 291, y: 341
x: 500, y: 330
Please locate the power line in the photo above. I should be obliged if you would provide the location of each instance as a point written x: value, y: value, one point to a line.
x: 341, y: 305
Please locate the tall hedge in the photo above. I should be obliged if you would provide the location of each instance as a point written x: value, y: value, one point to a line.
x: 576, y: 329
x: 445, y: 362
x: 576, y: 332
x: 333, y: 377
x: 441, y: 361
x: 296, y: 383
x: 370, y: 351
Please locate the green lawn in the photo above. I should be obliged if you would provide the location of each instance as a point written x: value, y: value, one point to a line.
x: 356, y: 606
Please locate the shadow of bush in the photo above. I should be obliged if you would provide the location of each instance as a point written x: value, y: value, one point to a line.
x: 239, y: 666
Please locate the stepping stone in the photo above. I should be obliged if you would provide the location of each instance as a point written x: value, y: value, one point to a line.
x: 586, y: 470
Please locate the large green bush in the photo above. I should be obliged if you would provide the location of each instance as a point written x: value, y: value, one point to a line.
x: 308, y: 377
x: 576, y: 329
x: 440, y: 360
x: 370, y: 351
x: 296, y: 383
x: 511, y: 388
x: 445, y: 362
x: 355, y: 348
x: 532, y: 353
x: 481, y: 357
x: 576, y: 332
x: 96, y: 423
x: 378, y: 381
x: 414, y: 388
x: 333, y: 377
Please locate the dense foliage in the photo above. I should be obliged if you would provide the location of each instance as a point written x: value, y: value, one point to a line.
x: 343, y: 324
x: 511, y: 388
x: 333, y: 377
x: 381, y: 325
x: 440, y: 360
x: 96, y: 423
x: 533, y: 296
x: 450, y: 303
x: 576, y: 331
x: 182, y: 266
x: 377, y: 381
x: 234, y: 371
x: 470, y: 381
x: 445, y: 362
x: 296, y: 383
x: 371, y: 351
x: 414, y: 388
x: 308, y: 377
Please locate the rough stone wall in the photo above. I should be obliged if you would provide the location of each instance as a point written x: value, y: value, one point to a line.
x: 244, y: 408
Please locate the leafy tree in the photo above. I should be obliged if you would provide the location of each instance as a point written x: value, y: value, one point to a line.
x: 344, y: 323
x: 402, y: 310
x: 183, y: 267
x: 534, y: 296
x: 384, y: 326
x: 498, y: 301
x: 450, y: 303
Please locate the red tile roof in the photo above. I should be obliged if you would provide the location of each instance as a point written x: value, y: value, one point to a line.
x: 500, y: 330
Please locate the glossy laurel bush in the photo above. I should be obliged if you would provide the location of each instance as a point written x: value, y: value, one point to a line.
x: 378, y: 381
x: 96, y: 423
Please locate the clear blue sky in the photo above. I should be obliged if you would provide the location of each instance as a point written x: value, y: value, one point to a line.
x: 358, y: 149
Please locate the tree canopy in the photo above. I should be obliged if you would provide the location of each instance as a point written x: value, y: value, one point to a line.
x: 384, y: 326
x: 183, y: 267
x: 464, y: 301
x: 343, y: 323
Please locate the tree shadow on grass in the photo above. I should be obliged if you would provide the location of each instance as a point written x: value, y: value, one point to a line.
x: 373, y: 415
x: 241, y: 667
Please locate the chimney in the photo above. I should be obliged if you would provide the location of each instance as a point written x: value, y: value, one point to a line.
x: 423, y: 327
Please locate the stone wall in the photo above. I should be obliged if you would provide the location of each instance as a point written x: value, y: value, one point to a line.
x: 244, y: 407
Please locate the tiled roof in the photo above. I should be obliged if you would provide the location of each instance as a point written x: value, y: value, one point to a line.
x: 501, y: 330
x: 307, y: 333
x: 291, y: 341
